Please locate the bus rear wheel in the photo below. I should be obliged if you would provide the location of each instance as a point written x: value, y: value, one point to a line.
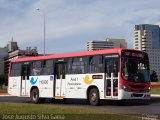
x: 35, y: 96
x: 94, y: 97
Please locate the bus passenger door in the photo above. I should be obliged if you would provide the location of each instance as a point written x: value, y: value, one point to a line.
x: 112, y: 77
x: 24, y: 78
x: 60, y: 76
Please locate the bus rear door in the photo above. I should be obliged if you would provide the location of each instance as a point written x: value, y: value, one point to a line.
x: 60, y: 76
x: 24, y: 78
x: 112, y: 76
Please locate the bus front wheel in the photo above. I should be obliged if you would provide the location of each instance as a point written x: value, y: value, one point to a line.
x: 35, y: 96
x: 94, y: 97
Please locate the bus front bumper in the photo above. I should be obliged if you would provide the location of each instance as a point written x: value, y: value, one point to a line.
x: 133, y: 95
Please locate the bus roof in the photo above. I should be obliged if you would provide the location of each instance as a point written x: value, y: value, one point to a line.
x: 77, y: 54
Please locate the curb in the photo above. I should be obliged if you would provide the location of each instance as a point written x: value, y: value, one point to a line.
x: 155, y: 95
x: 5, y: 95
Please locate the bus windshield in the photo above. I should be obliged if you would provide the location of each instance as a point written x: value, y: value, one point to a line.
x: 135, y: 70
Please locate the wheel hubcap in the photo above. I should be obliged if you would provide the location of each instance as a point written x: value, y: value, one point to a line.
x: 93, y: 97
x: 34, y: 96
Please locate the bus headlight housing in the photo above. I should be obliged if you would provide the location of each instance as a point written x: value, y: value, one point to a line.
x: 124, y: 87
x: 148, y: 89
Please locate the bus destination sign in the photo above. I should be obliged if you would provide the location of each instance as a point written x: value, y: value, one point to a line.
x: 133, y: 54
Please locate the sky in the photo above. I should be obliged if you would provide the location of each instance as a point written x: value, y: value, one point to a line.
x: 71, y: 23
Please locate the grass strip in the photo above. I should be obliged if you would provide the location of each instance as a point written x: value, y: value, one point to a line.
x: 25, y: 111
x: 155, y: 90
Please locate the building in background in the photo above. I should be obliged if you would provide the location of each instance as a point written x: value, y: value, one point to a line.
x: 12, y: 51
x: 3, y: 54
x: 106, y: 44
x: 12, y: 46
x: 147, y: 38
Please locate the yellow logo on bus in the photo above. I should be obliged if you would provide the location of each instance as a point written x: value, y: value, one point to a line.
x: 87, y: 80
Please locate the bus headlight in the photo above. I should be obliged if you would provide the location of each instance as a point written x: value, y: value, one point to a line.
x: 124, y: 87
x: 148, y: 89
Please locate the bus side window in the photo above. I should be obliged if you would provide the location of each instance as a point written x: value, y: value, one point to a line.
x: 36, y: 68
x: 16, y: 69
x: 47, y: 67
x: 96, y: 64
x: 77, y: 66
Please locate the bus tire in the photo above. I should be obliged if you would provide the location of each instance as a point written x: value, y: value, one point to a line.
x: 35, y: 96
x: 94, y: 97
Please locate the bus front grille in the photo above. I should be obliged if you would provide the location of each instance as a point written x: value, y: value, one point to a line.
x: 136, y: 95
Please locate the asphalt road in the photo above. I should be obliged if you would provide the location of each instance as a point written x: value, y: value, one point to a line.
x: 132, y: 107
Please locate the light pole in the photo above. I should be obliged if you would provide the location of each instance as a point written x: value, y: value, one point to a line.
x: 44, y: 28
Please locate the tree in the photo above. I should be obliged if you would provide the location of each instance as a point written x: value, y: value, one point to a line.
x: 154, y: 77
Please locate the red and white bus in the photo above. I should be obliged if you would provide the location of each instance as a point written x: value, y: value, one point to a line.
x: 112, y: 74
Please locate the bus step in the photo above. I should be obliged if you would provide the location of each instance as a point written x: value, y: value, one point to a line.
x: 58, y: 97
